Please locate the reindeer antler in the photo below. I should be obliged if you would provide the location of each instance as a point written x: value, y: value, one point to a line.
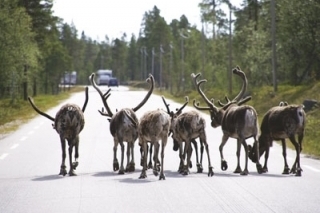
x: 38, y: 111
x: 198, y: 84
x: 167, y: 105
x: 238, y: 98
x: 104, y: 97
x: 150, y: 80
x: 86, y: 100
x: 178, y: 111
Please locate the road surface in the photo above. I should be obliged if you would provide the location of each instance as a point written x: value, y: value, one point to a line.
x: 30, y: 162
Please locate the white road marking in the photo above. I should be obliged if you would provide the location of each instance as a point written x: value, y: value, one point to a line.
x: 311, y: 168
x: 23, y: 138
x: 3, y: 156
x: 14, y: 146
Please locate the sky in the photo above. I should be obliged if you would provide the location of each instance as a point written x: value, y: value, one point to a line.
x: 98, y: 18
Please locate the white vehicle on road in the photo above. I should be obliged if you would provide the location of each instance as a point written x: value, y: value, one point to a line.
x: 103, y: 77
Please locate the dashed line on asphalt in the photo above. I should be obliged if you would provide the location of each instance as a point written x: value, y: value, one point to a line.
x: 23, y: 138
x: 14, y: 146
x: 3, y: 156
x: 311, y: 168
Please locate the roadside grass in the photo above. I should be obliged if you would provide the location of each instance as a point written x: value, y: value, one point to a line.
x: 12, y: 115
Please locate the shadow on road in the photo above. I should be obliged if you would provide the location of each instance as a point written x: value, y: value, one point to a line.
x: 48, y: 178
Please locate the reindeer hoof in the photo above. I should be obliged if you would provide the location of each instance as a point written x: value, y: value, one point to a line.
x: 155, y: 172
x: 115, y: 165
x: 150, y: 166
x: 199, y: 168
x: 265, y: 170
x: 63, y: 171
x: 75, y: 165
x: 158, y: 167
x: 72, y: 173
x: 286, y: 171
x: 121, y: 172
x: 210, y: 173
x: 190, y: 164
x: 143, y: 175
x: 259, y: 169
x: 237, y: 170
x: 245, y: 172
x: 224, y: 165
x: 298, y: 173
x: 162, y: 177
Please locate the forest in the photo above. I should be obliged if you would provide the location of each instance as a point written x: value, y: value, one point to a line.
x: 274, y: 42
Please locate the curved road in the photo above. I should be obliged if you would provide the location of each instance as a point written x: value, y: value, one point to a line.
x: 30, y: 162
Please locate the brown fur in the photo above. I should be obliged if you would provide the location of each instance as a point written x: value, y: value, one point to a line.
x: 68, y: 123
x: 239, y: 122
x: 279, y: 123
x: 186, y: 127
x: 123, y: 127
x: 154, y: 126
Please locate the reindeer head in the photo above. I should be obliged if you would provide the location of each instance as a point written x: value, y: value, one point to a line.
x: 105, y: 96
x: 215, y: 112
x: 173, y: 116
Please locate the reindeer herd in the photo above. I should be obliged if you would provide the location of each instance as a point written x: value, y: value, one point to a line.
x: 236, y: 119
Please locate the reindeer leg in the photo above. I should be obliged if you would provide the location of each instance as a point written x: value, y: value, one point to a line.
x: 71, y: 171
x: 266, y: 157
x: 163, y: 146
x: 128, y: 157
x: 284, y: 154
x: 186, y: 154
x: 63, y: 170
x: 132, y: 163
x: 200, y: 168
x: 238, y: 169
x: 296, y: 166
x: 76, y: 154
x: 224, y: 164
x: 180, y: 170
x: 115, y: 160
x: 195, y: 145
x: 143, y: 174
x: 155, y: 157
x: 189, y: 154
x: 245, y: 171
x: 203, y: 140
x: 150, y: 166
x: 258, y: 165
x: 121, y: 170
x: 141, y: 154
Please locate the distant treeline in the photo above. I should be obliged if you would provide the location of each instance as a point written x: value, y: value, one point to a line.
x: 37, y: 48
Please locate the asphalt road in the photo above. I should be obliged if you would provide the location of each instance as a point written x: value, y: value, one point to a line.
x: 30, y: 162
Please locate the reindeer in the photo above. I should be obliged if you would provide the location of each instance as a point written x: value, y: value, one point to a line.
x: 123, y: 127
x: 281, y: 122
x: 154, y: 126
x: 185, y: 127
x: 239, y: 122
x: 68, y: 123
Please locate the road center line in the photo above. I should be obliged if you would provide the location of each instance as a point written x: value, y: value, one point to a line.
x: 311, y: 168
x: 23, y: 138
x: 3, y: 156
x: 14, y: 146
